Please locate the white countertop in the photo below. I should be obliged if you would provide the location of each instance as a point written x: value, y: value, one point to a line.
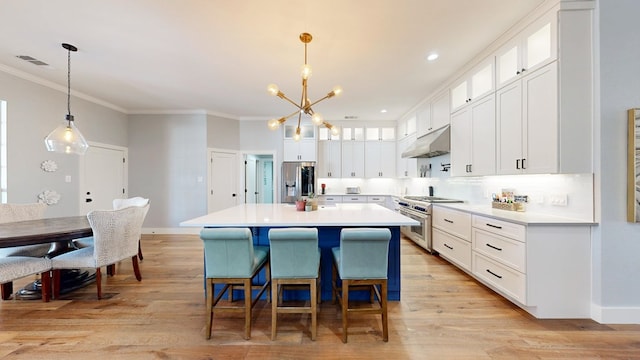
x: 524, y: 218
x: 286, y: 215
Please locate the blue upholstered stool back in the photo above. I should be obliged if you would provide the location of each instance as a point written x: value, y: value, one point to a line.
x: 230, y: 253
x: 363, y: 253
x: 294, y: 253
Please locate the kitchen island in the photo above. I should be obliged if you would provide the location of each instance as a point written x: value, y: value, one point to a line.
x: 329, y: 219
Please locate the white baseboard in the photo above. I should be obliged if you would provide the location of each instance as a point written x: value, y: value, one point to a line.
x: 615, y: 315
x: 172, y: 231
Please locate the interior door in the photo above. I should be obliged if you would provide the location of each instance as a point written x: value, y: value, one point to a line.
x: 250, y: 183
x: 103, y: 177
x: 223, y: 177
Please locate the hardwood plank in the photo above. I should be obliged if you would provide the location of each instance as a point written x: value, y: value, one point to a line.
x: 444, y: 314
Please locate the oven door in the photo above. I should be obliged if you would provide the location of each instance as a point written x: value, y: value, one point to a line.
x: 417, y: 233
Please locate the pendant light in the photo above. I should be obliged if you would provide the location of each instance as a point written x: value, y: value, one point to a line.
x: 66, y: 138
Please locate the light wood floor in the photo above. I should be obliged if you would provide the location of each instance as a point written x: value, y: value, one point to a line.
x: 444, y: 314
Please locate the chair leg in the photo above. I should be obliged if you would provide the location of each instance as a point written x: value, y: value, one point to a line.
x: 136, y: 267
x: 111, y: 270
x: 45, y: 280
x: 247, y: 309
x: 334, y: 282
x: 99, y: 282
x: 345, y: 309
x: 209, y: 308
x: 140, y: 252
x: 7, y: 290
x: 383, y: 304
x: 274, y: 307
x: 313, y: 299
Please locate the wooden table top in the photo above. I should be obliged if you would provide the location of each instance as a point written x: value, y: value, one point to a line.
x: 44, y: 231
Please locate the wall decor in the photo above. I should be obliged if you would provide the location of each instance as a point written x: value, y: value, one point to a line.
x: 49, y: 166
x: 633, y: 166
x: 49, y: 197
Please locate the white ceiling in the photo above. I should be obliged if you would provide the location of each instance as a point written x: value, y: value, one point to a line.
x: 219, y: 55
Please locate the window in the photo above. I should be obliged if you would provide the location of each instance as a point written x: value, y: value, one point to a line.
x: 3, y: 151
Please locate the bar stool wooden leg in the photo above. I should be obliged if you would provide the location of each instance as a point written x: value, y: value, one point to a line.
x: 209, y: 308
x: 274, y: 307
x: 247, y: 309
x: 383, y: 304
x: 345, y: 309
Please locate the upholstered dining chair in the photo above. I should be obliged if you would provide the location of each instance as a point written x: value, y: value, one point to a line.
x: 16, y: 267
x: 362, y: 260
x: 115, y: 237
x: 231, y: 258
x: 295, y: 260
x: 21, y: 212
x: 117, y: 204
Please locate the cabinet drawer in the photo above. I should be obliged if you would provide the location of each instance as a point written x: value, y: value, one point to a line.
x: 454, y: 222
x: 354, y: 198
x: 377, y: 199
x: 452, y: 248
x: 507, y: 251
x: 330, y: 199
x: 504, y: 228
x: 505, y: 280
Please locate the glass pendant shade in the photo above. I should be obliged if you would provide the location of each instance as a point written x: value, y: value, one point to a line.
x: 66, y: 139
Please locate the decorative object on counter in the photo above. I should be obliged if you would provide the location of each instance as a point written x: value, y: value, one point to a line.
x: 66, y: 138
x: 312, y: 201
x: 323, y: 187
x: 300, y: 205
x: 445, y: 167
x: 507, y: 200
x: 49, y: 166
x: 424, y: 169
x: 305, y: 103
x: 633, y: 166
x: 49, y: 197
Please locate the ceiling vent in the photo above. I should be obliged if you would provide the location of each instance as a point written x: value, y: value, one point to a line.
x: 350, y: 117
x: 32, y: 60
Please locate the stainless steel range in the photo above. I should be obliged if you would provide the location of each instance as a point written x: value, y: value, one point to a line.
x: 419, y: 208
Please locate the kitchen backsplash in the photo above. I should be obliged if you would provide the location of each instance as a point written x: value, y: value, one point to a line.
x: 560, y: 195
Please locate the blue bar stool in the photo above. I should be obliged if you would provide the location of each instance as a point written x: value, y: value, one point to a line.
x: 232, y: 259
x: 362, y: 260
x: 295, y: 260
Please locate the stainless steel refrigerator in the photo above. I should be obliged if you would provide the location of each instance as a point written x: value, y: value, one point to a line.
x: 298, y: 180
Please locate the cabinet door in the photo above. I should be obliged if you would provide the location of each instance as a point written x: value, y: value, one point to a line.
x: 509, y: 129
x: 440, y: 112
x: 461, y: 139
x: 459, y: 95
x: 352, y: 159
x: 329, y: 159
x: 380, y: 159
x: 388, y: 159
x: 423, y: 119
x: 483, y: 136
x: 406, y: 167
x: 291, y: 150
x: 540, y: 121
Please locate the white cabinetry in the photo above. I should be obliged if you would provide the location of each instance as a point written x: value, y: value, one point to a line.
x: 479, y: 82
x: 451, y: 235
x: 354, y: 198
x: 423, y: 119
x: 406, y: 167
x: 303, y: 149
x: 380, y: 159
x: 353, y: 159
x: 329, y: 199
x: 406, y: 127
x: 532, y: 48
x: 542, y: 268
x: 329, y: 158
x: 473, y: 139
x: 527, y: 124
x: 440, y: 111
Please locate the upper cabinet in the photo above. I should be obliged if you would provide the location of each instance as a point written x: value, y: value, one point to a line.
x: 325, y: 134
x: 303, y: 149
x: 380, y: 133
x: 473, y: 139
x: 533, y: 48
x: 473, y: 86
x: 352, y: 133
x: 380, y: 152
x: 406, y: 127
x: 329, y: 158
x: 433, y: 114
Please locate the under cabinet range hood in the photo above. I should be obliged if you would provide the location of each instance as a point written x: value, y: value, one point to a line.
x: 433, y: 144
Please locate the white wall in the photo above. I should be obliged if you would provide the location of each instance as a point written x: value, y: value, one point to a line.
x: 168, y: 165
x: 223, y: 133
x: 616, y: 243
x: 33, y: 111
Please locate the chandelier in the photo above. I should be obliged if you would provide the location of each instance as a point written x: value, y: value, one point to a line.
x: 305, y: 104
x: 66, y: 138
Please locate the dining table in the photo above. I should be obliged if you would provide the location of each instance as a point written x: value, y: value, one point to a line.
x: 60, y: 233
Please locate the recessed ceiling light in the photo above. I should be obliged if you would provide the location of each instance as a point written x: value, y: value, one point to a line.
x: 383, y: 111
x: 432, y: 56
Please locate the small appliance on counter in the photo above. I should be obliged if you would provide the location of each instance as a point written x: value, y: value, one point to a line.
x: 353, y: 190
